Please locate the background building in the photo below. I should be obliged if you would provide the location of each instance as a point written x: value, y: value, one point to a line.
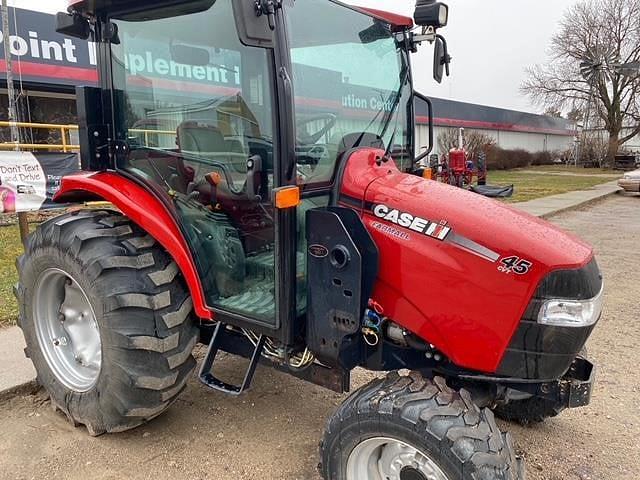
x: 49, y: 66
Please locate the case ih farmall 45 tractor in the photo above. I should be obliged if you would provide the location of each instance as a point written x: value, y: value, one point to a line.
x: 246, y: 148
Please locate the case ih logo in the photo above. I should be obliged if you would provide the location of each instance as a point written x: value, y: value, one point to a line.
x: 431, y: 229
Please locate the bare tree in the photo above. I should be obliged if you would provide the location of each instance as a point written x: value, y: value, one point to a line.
x: 607, y: 32
x: 474, y: 141
x: 593, y: 150
x: 575, y: 115
x: 553, y: 112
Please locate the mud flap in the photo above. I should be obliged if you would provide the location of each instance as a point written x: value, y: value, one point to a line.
x: 342, y: 265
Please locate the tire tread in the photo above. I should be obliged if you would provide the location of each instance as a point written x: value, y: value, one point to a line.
x: 150, y: 318
x: 430, y: 408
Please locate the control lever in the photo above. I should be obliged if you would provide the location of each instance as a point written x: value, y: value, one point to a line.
x: 214, y: 180
x: 254, y: 169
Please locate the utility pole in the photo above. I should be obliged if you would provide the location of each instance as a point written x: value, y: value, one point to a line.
x: 23, y: 220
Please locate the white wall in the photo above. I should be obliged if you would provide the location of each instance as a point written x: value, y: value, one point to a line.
x: 532, y: 142
x: 633, y: 144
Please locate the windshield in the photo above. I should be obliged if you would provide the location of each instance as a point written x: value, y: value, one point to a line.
x: 352, y: 85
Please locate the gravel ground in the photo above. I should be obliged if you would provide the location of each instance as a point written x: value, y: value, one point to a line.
x: 273, y: 431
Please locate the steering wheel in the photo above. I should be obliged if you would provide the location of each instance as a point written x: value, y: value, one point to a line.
x: 330, y: 120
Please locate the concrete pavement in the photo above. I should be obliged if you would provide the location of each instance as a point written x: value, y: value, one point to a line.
x: 17, y: 372
x: 548, y: 206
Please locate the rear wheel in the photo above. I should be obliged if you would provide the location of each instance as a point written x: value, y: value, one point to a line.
x: 412, y: 428
x: 107, y: 320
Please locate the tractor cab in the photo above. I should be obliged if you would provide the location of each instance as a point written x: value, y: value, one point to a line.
x: 222, y: 108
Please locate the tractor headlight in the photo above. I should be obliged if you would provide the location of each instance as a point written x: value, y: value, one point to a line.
x: 571, y: 313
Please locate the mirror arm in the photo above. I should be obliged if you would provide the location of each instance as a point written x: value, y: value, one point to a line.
x: 422, y: 156
x: 428, y: 34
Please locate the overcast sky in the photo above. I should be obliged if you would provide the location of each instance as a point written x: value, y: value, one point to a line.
x: 491, y: 42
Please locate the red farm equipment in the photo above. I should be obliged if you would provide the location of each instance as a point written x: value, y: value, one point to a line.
x: 458, y: 167
x: 263, y: 215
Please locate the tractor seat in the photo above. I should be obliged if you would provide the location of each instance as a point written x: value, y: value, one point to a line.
x: 208, y: 142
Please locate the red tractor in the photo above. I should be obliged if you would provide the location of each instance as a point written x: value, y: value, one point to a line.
x: 459, y: 167
x: 264, y: 216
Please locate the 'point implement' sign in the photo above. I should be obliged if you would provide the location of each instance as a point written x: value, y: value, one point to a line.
x: 41, y: 54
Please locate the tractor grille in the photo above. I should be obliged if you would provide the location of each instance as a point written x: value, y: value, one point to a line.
x: 545, y: 352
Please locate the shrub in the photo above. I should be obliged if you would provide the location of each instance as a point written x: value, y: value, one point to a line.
x: 503, y: 159
x: 543, y: 158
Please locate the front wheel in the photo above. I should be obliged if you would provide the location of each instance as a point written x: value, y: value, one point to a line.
x: 413, y: 428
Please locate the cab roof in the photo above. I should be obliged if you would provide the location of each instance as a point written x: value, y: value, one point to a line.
x: 401, y: 22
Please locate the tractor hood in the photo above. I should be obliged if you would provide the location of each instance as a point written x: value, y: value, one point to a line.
x: 452, y: 260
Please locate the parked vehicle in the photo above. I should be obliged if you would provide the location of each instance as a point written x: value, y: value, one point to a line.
x: 320, y: 256
x: 626, y: 161
x: 631, y: 181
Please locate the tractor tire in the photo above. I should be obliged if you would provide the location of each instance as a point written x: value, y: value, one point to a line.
x: 410, y: 427
x: 107, y: 320
x: 531, y: 410
x: 528, y: 412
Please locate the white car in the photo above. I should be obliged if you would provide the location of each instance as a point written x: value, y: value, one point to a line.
x: 631, y: 181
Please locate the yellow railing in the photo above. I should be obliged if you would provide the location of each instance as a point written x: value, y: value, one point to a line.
x: 66, y: 145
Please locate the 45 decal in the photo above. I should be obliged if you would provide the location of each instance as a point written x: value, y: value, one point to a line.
x: 516, y: 265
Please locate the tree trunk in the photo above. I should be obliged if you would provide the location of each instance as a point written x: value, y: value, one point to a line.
x: 612, y: 151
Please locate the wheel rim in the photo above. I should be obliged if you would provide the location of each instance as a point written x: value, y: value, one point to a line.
x: 67, y: 330
x: 384, y: 458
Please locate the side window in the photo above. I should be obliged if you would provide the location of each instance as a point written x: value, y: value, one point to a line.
x: 197, y: 107
x: 351, y: 87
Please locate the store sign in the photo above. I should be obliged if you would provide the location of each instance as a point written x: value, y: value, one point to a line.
x: 41, y: 54
x: 28, y: 181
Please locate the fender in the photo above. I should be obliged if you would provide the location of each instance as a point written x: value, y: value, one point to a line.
x: 147, y: 212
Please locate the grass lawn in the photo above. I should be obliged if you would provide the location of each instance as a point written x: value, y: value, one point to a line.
x: 11, y: 248
x: 529, y: 186
x: 573, y: 169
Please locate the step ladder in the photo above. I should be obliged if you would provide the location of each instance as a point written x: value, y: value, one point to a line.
x: 206, y: 374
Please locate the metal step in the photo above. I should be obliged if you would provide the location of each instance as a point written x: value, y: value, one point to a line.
x: 206, y: 374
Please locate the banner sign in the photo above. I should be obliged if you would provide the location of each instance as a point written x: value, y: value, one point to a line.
x: 41, y: 55
x: 28, y: 181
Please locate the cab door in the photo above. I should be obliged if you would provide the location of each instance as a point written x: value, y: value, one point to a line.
x: 197, y: 109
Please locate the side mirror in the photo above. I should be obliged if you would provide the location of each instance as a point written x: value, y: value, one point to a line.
x: 73, y: 25
x: 423, y: 109
x: 441, y: 59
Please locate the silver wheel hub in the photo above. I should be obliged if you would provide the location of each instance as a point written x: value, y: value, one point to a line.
x: 384, y: 458
x: 67, y: 330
